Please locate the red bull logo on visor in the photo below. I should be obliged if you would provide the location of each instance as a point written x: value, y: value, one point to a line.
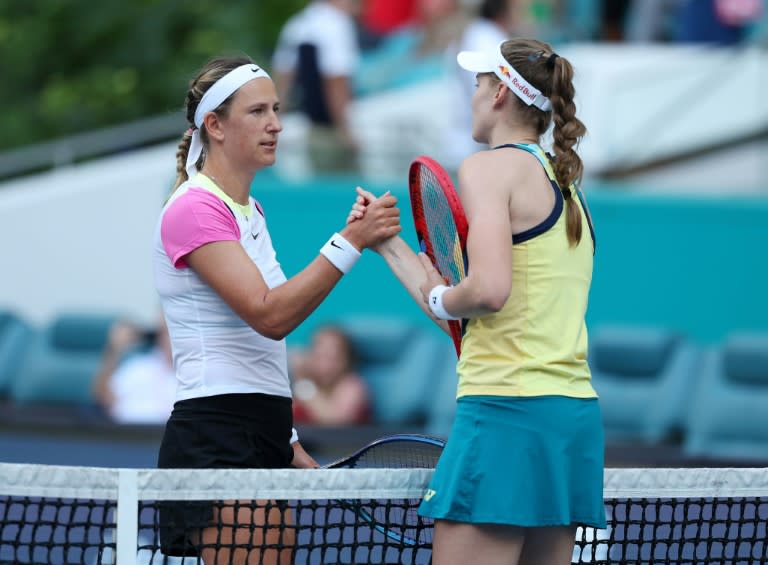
x: 523, y: 89
x: 513, y: 81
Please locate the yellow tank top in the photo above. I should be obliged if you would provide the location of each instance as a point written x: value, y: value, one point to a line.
x: 536, y: 345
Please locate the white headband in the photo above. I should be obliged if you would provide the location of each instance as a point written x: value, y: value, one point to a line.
x: 494, y: 62
x: 212, y: 99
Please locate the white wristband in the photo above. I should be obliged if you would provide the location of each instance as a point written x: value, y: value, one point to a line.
x: 294, y: 436
x: 340, y: 253
x: 436, y: 302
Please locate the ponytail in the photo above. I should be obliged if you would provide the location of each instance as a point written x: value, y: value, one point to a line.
x: 181, y: 159
x: 567, y: 132
x: 553, y: 76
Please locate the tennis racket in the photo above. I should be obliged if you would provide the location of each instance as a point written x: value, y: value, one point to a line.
x: 441, y: 226
x: 398, y: 451
x: 399, y: 522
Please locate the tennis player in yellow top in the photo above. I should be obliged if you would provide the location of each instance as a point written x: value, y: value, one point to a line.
x: 523, y: 465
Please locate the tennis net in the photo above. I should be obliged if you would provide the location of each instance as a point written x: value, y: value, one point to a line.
x: 51, y: 514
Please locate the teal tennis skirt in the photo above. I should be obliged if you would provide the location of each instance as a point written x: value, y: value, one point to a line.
x: 526, y: 462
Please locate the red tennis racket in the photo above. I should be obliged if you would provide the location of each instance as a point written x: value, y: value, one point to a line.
x: 441, y: 225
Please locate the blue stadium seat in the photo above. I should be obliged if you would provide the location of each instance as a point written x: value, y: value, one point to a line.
x: 397, y: 359
x: 728, y: 416
x: 62, y: 361
x: 15, y: 335
x: 643, y: 377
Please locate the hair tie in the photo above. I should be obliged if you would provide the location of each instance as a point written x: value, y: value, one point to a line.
x: 551, y: 60
x: 566, y: 193
x: 189, y: 131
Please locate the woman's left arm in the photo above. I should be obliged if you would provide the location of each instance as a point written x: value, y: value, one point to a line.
x: 486, y: 200
x: 302, y: 459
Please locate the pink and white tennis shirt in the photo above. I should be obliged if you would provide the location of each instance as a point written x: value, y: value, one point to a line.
x: 214, y: 350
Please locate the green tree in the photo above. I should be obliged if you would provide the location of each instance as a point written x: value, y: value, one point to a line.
x: 69, y: 66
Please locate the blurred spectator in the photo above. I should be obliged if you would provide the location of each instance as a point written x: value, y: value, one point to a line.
x: 136, y: 383
x: 650, y: 20
x: 383, y: 17
x: 380, y: 18
x: 440, y: 22
x: 724, y: 22
x: 493, y: 23
x: 695, y: 21
x: 613, y: 18
x: 556, y: 20
x: 316, y: 54
x: 414, y: 52
x: 326, y: 388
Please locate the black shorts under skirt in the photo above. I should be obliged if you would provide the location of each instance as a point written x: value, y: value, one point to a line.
x: 229, y: 431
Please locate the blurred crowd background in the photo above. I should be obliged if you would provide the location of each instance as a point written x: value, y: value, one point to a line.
x: 676, y: 161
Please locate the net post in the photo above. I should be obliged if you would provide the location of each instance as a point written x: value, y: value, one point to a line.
x: 127, y: 517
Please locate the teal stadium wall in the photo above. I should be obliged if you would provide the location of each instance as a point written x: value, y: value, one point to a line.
x: 694, y: 264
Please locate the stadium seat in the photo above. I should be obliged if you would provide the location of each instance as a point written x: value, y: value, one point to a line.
x: 15, y: 335
x: 397, y: 359
x: 62, y: 361
x: 643, y: 377
x: 728, y: 416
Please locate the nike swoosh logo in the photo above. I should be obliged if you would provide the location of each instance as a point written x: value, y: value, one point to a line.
x: 255, y: 69
x: 335, y: 244
x: 255, y: 235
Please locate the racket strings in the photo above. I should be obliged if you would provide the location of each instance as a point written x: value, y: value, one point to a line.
x: 400, y: 455
x: 397, y: 519
x: 443, y: 232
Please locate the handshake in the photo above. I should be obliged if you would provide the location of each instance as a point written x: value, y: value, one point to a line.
x: 372, y: 220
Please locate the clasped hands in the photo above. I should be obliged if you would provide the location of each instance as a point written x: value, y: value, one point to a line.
x: 365, y: 201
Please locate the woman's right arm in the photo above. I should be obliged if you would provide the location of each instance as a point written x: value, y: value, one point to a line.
x: 400, y: 258
x: 274, y: 313
x: 407, y: 268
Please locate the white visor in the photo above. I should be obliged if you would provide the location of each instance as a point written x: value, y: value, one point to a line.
x: 494, y: 62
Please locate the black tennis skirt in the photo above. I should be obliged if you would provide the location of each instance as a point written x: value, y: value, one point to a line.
x: 225, y: 431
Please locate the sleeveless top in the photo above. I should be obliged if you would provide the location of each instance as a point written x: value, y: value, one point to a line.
x: 536, y: 345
